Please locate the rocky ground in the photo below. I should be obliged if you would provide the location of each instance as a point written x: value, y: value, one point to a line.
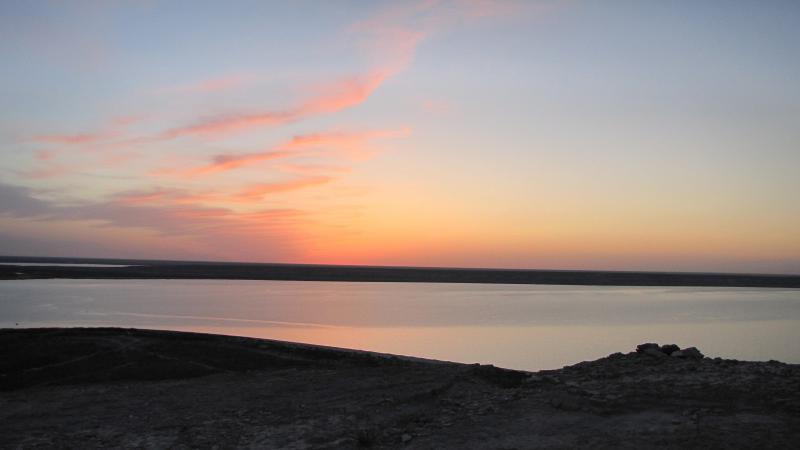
x: 102, y: 388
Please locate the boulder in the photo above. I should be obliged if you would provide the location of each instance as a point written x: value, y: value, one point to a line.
x: 654, y: 352
x: 688, y: 353
x: 642, y: 347
x: 669, y: 349
x: 692, y: 353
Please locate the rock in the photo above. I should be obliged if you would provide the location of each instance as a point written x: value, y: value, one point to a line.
x: 688, y: 353
x: 655, y: 352
x: 565, y: 402
x: 533, y: 378
x: 669, y: 349
x: 692, y: 353
x: 504, y: 378
x: 405, y: 437
x: 642, y: 347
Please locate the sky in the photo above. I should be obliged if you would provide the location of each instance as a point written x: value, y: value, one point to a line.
x: 553, y: 134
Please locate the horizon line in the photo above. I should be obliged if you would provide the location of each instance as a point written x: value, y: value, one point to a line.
x: 4, y: 258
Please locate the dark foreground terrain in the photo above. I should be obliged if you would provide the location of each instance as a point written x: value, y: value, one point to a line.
x: 148, y: 269
x: 104, y: 388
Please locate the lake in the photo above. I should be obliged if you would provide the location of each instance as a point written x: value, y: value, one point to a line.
x: 517, y: 326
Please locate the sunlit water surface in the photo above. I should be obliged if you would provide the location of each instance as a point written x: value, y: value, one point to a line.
x: 519, y: 326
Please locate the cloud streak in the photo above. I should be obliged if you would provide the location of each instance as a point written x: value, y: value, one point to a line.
x: 389, y: 45
x: 387, y: 41
x: 225, y: 162
x: 350, y: 145
x: 388, y: 38
x: 115, y: 129
x: 330, y: 98
x: 218, y: 230
x: 259, y: 191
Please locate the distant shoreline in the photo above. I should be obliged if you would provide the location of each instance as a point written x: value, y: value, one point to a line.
x: 149, y: 269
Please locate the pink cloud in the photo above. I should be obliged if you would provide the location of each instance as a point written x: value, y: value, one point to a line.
x: 174, y: 197
x: 225, y: 162
x: 163, y: 196
x: 114, y: 129
x: 73, y: 139
x: 352, y: 145
x: 389, y: 39
x: 342, y: 93
x: 311, y: 169
x: 258, y: 191
x: 139, y: 197
x: 230, y: 123
x: 389, y: 45
x: 233, y: 161
x: 329, y: 98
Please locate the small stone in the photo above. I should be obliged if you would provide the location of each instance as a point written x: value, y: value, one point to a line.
x: 669, y: 349
x: 642, y: 347
x: 405, y: 437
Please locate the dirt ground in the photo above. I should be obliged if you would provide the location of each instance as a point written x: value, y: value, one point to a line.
x: 104, y: 388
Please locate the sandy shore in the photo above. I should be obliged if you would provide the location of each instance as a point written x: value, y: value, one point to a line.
x: 102, y: 388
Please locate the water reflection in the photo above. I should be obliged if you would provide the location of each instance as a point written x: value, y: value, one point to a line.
x: 527, y: 327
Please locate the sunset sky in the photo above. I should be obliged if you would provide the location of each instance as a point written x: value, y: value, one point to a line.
x: 655, y: 135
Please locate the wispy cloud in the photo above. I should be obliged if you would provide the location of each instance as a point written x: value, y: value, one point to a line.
x: 309, y: 169
x: 114, y: 129
x: 346, y: 144
x: 258, y: 191
x: 388, y: 43
x: 164, y: 196
x: 260, y: 230
x: 330, y: 98
x: 388, y: 39
x: 253, y: 193
x: 225, y: 162
x: 73, y: 139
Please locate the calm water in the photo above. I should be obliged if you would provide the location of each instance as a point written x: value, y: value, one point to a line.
x: 526, y: 327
